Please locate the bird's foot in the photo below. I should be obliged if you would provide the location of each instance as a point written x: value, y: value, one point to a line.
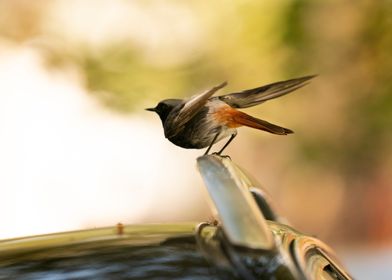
x: 224, y: 156
x: 212, y: 221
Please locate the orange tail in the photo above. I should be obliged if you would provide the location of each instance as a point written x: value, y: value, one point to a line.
x: 246, y: 120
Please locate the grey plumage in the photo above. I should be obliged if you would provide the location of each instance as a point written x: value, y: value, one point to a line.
x: 255, y: 96
x: 202, y: 120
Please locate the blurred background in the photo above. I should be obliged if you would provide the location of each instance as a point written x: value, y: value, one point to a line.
x: 77, y: 150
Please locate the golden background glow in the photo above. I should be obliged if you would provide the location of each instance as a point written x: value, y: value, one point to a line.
x: 77, y: 150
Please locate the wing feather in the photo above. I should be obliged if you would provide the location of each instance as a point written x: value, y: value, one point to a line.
x: 188, y: 110
x: 255, y: 96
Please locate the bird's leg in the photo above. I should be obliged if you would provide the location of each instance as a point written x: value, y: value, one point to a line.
x: 212, y: 143
x: 228, y: 142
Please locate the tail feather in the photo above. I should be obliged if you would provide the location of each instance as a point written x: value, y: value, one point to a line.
x: 247, y: 120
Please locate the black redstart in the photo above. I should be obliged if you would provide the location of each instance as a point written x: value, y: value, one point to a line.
x: 203, y: 120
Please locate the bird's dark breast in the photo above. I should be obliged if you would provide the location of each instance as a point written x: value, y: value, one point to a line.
x: 195, y: 134
x: 184, y: 142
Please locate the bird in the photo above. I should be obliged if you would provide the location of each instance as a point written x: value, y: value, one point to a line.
x: 203, y: 120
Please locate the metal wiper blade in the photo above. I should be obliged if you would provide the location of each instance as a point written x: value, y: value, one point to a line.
x: 242, y: 221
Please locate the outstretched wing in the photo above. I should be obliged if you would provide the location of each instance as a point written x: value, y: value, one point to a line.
x: 188, y: 110
x: 255, y: 96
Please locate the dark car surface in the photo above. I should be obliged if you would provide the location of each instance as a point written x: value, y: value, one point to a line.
x: 139, y: 252
x: 249, y: 241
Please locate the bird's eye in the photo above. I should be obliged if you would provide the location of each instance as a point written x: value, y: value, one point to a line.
x: 162, y: 106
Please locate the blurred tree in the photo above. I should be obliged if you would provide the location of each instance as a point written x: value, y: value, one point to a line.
x: 345, y: 125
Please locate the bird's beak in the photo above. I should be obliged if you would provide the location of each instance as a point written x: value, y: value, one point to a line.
x: 150, y: 109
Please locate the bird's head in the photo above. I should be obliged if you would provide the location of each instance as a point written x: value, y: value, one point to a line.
x: 164, y: 108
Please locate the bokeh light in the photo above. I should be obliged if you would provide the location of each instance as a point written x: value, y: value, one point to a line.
x: 78, y: 150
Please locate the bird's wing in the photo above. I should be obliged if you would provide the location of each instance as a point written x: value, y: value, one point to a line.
x: 189, y: 109
x: 255, y: 96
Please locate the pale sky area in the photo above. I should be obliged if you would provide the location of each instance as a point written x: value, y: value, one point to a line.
x: 69, y: 163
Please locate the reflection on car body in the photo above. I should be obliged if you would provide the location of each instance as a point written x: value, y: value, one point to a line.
x: 243, y: 245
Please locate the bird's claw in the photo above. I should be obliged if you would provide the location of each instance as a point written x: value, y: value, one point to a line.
x: 213, y: 221
x: 224, y: 156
